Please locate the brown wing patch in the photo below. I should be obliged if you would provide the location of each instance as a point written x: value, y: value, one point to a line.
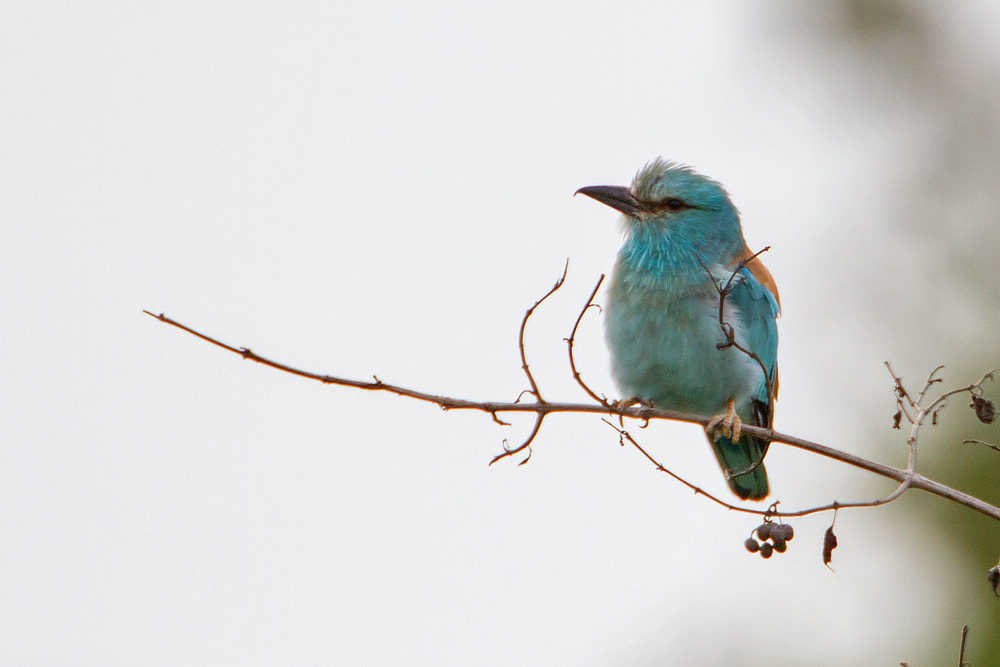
x: 760, y: 272
x: 763, y: 276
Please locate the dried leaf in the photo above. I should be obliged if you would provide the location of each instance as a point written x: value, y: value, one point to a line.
x: 985, y: 410
x: 993, y: 576
x: 830, y: 543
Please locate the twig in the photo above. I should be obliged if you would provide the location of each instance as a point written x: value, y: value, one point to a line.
x: 730, y: 332
x: 901, y: 394
x: 524, y: 324
x: 572, y: 337
x: 931, y: 381
x: 624, y: 436
x: 833, y: 506
x: 526, y: 444
x: 995, y: 448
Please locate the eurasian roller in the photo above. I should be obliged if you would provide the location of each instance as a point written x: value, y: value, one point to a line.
x: 683, y: 246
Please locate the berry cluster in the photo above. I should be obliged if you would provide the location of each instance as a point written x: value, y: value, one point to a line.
x: 777, y: 533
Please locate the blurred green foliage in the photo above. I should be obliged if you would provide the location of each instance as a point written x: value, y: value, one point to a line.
x: 948, y: 216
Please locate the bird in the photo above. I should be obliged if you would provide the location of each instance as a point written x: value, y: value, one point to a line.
x: 670, y: 344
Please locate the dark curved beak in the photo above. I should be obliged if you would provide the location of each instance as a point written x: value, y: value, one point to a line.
x: 615, y: 196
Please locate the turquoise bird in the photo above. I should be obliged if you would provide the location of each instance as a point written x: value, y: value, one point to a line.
x: 683, y: 244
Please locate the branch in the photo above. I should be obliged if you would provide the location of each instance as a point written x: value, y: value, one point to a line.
x: 908, y: 477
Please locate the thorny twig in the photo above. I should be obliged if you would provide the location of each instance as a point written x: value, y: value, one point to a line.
x: 572, y: 338
x: 524, y: 323
x: 624, y: 436
x: 730, y: 332
x: 531, y: 378
x: 920, y: 414
x: 908, y: 478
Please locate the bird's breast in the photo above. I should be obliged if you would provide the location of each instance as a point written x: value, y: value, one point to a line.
x: 664, y: 340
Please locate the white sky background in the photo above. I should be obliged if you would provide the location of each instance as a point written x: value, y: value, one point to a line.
x: 359, y: 189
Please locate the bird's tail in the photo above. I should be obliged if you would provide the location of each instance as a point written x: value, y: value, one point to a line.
x: 745, y: 456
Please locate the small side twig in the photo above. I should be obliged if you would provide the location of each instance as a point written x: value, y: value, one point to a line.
x: 931, y: 381
x: 524, y: 445
x: 624, y: 436
x: 905, y: 482
x: 995, y: 448
x: 730, y: 332
x: 921, y: 412
x: 539, y: 417
x: 903, y: 399
x: 524, y: 324
x: 572, y: 338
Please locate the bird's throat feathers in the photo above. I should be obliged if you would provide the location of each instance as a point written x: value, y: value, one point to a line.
x: 658, y: 253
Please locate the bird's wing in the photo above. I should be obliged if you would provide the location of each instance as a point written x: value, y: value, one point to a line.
x: 758, y: 330
x: 763, y: 276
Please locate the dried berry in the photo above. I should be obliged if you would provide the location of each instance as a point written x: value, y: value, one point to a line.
x: 993, y: 576
x: 766, y: 549
x: 784, y: 531
x: 985, y: 410
x: 764, y: 530
x: 752, y: 545
x: 779, y: 545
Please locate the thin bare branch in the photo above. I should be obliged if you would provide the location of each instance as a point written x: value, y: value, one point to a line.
x: 642, y: 412
x: 524, y: 445
x: 833, y: 506
x: 995, y: 448
x: 524, y: 324
x: 931, y: 381
x: 625, y: 436
x: 730, y: 332
x: 572, y: 338
x: 498, y: 420
x: 903, y: 399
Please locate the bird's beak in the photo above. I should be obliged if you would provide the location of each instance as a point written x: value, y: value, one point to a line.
x: 616, y: 197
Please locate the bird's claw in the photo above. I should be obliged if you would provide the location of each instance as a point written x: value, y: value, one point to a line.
x: 626, y: 403
x: 728, y: 424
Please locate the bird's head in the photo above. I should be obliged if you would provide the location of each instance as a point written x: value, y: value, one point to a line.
x: 671, y: 200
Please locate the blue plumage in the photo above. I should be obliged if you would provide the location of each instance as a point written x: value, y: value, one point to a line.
x: 682, y: 240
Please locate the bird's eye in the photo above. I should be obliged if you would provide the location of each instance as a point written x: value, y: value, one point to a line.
x: 674, y: 204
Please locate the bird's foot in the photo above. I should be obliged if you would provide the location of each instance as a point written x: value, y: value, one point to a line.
x: 728, y: 424
x: 625, y: 403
